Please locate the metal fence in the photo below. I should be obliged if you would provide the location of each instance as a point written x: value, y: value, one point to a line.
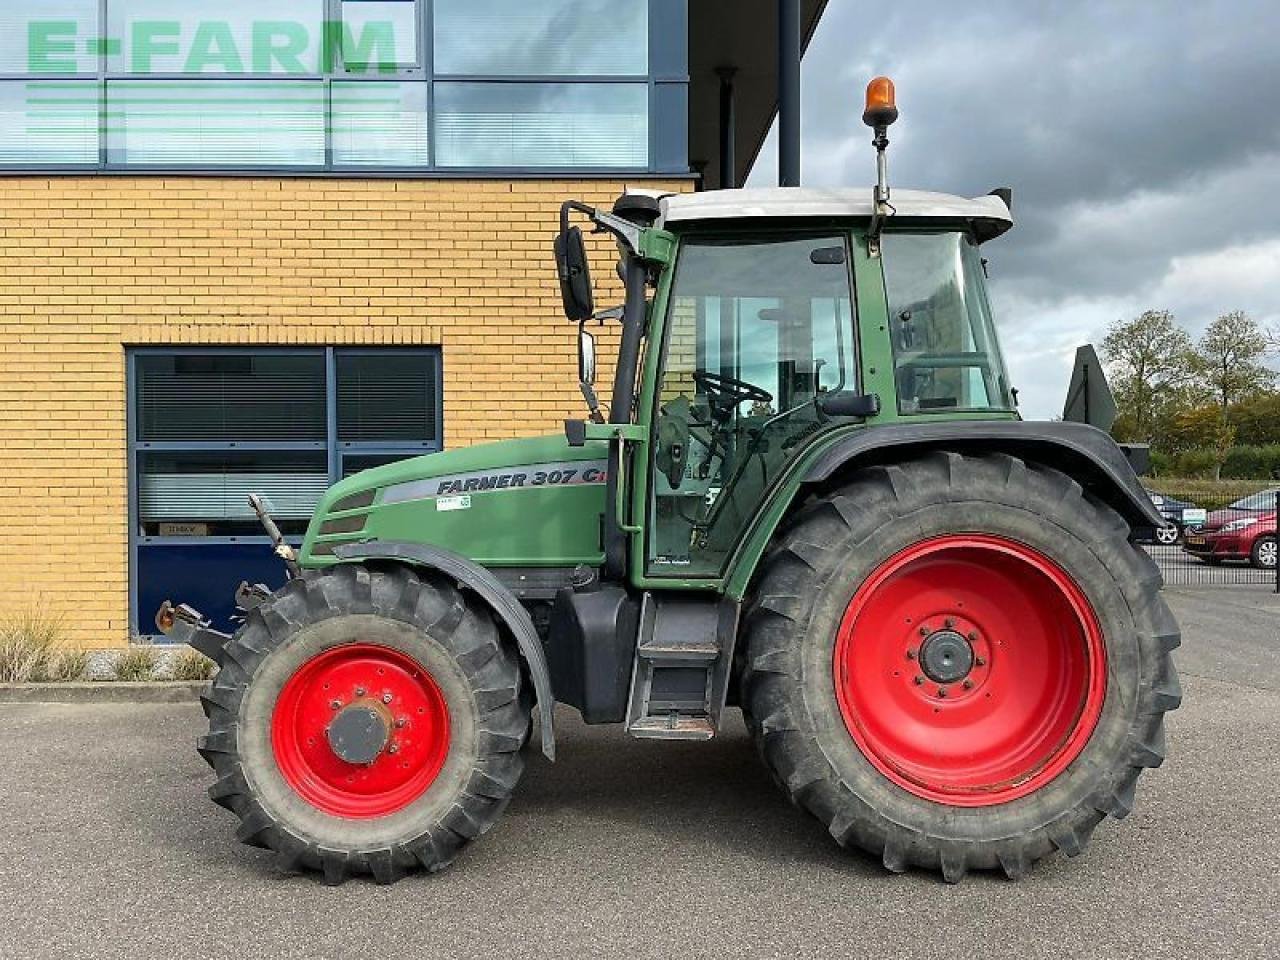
x: 1218, y: 538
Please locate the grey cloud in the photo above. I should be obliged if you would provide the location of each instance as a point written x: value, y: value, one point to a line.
x: 1135, y: 135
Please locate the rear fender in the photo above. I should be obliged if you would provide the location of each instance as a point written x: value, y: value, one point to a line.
x: 477, y: 580
x: 1085, y: 453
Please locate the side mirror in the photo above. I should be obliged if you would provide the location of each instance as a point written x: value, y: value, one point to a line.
x: 575, y: 275
x: 586, y: 357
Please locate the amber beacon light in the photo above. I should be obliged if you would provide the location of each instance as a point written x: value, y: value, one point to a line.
x: 882, y: 105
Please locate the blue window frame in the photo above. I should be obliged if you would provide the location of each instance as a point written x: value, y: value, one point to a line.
x: 209, y: 426
x: 402, y: 87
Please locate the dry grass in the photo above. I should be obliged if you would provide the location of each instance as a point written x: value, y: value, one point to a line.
x: 136, y: 664
x: 33, y: 650
x: 1209, y: 493
x: 191, y: 665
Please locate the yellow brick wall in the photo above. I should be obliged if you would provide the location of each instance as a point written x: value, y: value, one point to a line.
x: 92, y: 265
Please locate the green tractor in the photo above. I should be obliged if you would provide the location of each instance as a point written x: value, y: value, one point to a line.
x: 811, y: 497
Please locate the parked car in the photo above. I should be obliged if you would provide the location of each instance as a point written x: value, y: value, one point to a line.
x: 1245, y: 530
x: 1171, y: 509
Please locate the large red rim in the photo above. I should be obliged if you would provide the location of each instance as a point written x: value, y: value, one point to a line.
x: 404, y: 705
x: 970, y: 670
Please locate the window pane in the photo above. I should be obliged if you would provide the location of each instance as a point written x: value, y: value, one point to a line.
x: 542, y: 125
x: 944, y: 344
x: 52, y: 36
x: 380, y: 124
x: 387, y: 397
x: 553, y: 37
x: 379, y: 34
x: 230, y: 397
x: 232, y: 36
x: 49, y: 122
x: 353, y: 465
x: 207, y: 494
x: 223, y: 123
x: 758, y: 334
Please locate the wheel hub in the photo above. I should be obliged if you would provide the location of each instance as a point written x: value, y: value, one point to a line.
x: 946, y: 657
x: 970, y: 669
x: 359, y: 733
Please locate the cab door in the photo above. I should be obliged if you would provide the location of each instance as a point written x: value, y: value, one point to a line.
x: 759, y: 332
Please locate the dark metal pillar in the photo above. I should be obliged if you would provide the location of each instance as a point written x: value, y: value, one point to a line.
x: 728, y: 130
x: 788, y: 93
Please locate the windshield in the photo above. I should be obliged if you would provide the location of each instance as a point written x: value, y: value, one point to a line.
x: 946, y: 357
x: 1258, y: 501
x: 757, y: 332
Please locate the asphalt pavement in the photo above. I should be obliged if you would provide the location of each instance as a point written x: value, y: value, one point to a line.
x: 626, y: 848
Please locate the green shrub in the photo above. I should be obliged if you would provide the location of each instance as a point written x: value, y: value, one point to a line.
x: 191, y: 665
x: 1210, y: 494
x: 32, y: 649
x: 1195, y: 463
x: 138, y: 663
x: 1252, y: 462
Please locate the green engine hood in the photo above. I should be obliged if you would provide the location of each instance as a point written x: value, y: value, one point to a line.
x: 519, y: 503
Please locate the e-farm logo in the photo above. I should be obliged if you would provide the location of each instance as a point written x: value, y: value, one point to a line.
x: 275, y: 47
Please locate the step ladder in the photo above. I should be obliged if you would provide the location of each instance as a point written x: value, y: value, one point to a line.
x: 682, y: 665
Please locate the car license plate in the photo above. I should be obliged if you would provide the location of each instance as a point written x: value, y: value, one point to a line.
x: 1195, y: 541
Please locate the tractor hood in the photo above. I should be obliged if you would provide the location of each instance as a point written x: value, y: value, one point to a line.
x: 535, y: 502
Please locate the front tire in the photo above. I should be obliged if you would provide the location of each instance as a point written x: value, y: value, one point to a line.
x: 959, y: 663
x: 366, y: 721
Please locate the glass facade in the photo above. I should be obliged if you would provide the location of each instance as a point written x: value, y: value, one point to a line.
x: 335, y: 85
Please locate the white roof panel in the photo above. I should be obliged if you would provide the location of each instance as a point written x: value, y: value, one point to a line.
x: 789, y: 202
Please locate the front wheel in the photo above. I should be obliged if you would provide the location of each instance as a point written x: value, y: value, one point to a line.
x: 959, y: 662
x: 366, y: 721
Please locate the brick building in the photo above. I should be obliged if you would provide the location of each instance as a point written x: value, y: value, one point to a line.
x: 262, y: 245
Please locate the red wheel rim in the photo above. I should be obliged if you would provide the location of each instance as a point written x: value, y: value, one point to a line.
x: 401, y: 700
x: 983, y: 727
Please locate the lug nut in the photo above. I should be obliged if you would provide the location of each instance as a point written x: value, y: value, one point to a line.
x: 359, y: 691
x: 942, y: 691
x: 394, y: 748
x: 973, y: 636
x: 336, y: 704
x: 911, y: 654
x: 949, y: 623
x: 980, y: 661
x: 386, y: 698
x: 400, y: 723
x: 968, y: 684
x: 919, y: 680
x: 924, y: 631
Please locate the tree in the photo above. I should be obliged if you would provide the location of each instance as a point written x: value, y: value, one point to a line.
x: 1228, y: 359
x: 1150, y: 363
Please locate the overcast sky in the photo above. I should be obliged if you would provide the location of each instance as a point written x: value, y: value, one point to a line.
x: 1141, y: 139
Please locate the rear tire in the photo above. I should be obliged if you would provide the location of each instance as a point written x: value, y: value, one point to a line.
x: 388, y: 643
x: 1263, y: 554
x: 832, y: 728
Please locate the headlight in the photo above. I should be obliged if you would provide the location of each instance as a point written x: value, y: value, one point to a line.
x: 1239, y: 524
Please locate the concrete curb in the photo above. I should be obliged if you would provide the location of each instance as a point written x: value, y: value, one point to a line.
x: 112, y: 692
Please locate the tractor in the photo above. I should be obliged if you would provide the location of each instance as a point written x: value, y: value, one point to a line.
x: 810, y: 497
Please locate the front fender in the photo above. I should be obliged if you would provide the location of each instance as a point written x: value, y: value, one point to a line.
x: 476, y: 579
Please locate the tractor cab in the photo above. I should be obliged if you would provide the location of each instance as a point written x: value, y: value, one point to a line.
x: 773, y: 318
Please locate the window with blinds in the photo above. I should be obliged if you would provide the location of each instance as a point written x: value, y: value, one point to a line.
x: 210, y: 428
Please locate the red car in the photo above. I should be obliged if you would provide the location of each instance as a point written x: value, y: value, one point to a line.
x: 1246, y: 530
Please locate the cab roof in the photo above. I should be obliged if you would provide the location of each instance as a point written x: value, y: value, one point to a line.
x: 988, y: 216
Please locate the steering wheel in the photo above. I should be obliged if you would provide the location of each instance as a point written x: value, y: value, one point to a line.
x: 725, y: 393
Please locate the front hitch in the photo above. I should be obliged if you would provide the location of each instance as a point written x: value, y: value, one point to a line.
x: 186, y: 624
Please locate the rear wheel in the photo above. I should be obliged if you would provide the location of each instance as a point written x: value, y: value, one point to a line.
x: 366, y: 722
x: 1263, y: 554
x: 959, y: 662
